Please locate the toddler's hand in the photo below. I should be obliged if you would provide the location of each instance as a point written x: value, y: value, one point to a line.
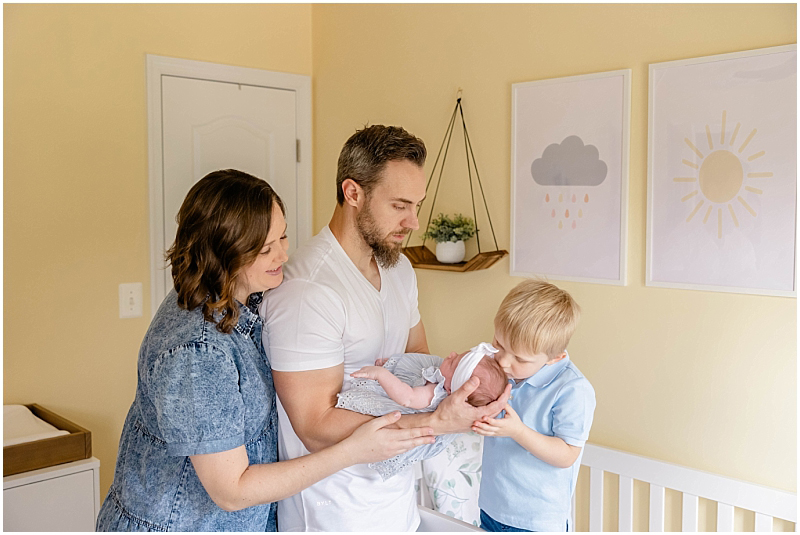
x: 508, y: 426
x: 368, y: 372
x: 381, y: 362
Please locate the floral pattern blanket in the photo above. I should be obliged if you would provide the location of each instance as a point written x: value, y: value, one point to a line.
x: 451, y: 480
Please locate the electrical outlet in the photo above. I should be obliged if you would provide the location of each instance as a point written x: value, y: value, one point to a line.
x: 130, y: 300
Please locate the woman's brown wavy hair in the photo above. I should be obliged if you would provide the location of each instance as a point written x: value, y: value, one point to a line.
x: 222, y: 225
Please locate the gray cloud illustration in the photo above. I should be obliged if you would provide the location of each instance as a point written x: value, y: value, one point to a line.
x: 570, y: 163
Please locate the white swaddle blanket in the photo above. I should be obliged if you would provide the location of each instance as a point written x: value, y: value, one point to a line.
x: 20, y: 425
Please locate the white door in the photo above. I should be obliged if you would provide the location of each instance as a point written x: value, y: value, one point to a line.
x: 211, y: 125
x: 206, y: 124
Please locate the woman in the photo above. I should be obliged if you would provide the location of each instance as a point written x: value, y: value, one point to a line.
x: 198, y: 450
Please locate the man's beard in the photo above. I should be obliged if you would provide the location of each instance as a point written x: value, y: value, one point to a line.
x: 386, y: 253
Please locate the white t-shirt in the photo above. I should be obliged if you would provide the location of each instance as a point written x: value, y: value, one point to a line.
x: 325, y: 313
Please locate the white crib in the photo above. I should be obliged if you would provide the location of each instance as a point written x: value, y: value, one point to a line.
x: 767, y: 503
x: 694, y: 485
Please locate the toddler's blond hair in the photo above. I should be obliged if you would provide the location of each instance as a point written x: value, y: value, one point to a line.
x: 537, y: 317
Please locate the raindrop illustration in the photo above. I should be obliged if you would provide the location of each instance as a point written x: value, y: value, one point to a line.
x: 560, y: 197
x: 566, y: 214
x: 573, y: 197
x: 547, y: 198
x: 560, y: 225
x: 574, y: 224
x: 586, y: 198
x: 553, y: 213
x: 580, y: 213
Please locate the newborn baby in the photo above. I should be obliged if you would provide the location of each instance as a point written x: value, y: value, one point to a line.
x: 416, y: 382
x: 439, y: 382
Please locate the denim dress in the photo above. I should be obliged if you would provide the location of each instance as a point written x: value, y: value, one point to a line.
x: 199, y: 391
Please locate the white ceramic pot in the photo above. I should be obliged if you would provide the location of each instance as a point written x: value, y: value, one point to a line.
x: 449, y: 252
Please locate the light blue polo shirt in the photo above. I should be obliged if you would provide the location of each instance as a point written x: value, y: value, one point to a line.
x: 517, y: 488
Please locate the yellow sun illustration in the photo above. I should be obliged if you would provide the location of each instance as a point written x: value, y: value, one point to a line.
x: 720, y: 175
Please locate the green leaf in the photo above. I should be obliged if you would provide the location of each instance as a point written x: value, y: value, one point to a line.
x: 469, y: 480
x: 446, y: 228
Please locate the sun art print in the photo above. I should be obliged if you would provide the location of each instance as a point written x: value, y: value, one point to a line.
x: 722, y: 173
x: 723, y: 177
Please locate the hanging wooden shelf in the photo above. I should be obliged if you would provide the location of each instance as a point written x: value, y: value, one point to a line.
x: 422, y: 257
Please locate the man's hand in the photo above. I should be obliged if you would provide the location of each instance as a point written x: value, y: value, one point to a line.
x: 509, y: 426
x: 456, y: 415
x: 369, y: 372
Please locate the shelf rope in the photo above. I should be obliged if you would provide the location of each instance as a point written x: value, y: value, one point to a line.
x: 445, y: 146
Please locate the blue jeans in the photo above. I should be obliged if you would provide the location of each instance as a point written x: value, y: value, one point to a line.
x: 490, y: 524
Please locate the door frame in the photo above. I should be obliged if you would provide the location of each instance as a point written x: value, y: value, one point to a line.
x: 159, y: 66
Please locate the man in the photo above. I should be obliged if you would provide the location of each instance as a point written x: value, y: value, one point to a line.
x: 349, y: 296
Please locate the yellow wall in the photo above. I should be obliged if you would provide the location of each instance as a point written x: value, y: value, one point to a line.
x: 702, y: 379
x: 76, y: 186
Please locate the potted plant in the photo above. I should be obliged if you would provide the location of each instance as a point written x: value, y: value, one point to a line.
x: 449, y: 234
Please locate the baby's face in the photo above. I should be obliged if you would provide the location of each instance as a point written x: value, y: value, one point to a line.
x: 448, y: 368
x: 518, y: 366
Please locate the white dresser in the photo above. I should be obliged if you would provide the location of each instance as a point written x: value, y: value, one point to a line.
x: 65, y: 497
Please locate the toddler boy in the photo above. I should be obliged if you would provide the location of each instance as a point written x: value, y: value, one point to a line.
x: 532, y: 456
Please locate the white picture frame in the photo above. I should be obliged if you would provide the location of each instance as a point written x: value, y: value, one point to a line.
x: 568, y: 219
x: 722, y: 173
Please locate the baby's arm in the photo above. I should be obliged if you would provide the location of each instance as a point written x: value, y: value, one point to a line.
x: 413, y: 397
x: 552, y: 450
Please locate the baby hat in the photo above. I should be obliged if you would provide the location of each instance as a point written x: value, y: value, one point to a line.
x: 468, y: 363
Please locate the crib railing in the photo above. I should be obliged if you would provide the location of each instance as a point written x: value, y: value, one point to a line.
x: 767, y: 503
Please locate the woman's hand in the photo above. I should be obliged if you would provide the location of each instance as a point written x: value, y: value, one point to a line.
x: 372, y: 442
x: 509, y: 426
x: 456, y: 415
x: 233, y: 483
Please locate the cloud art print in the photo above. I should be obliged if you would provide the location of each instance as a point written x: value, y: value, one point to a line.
x: 570, y: 172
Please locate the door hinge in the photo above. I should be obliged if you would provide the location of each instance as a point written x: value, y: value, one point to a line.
x: 297, y: 151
